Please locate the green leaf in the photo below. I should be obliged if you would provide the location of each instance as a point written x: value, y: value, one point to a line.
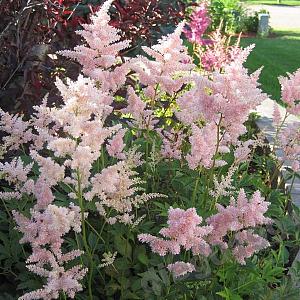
x: 123, y: 246
x: 143, y: 258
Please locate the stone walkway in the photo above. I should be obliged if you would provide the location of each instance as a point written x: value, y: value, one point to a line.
x: 265, y: 110
x: 265, y: 124
x: 286, y: 17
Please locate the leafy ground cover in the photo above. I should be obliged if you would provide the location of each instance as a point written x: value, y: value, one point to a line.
x: 278, y: 54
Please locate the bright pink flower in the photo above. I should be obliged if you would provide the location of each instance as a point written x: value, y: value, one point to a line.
x: 199, y: 22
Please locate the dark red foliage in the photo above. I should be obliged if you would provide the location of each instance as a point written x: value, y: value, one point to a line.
x: 31, y: 30
x: 143, y: 21
x: 27, y: 36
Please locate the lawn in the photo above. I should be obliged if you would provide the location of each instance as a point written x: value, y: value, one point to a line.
x: 278, y: 55
x: 273, y: 2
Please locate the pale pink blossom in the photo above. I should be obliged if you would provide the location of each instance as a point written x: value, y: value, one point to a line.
x: 239, y: 214
x: 48, y: 227
x: 51, y: 172
x: 180, y: 268
x: 43, y: 194
x: 136, y: 107
x: 18, y: 130
x: 277, y: 119
x: 290, y: 92
x: 10, y: 195
x: 59, y: 279
x: 229, y: 96
x: 116, y: 145
x: 203, y: 146
x: 289, y: 142
x: 243, y: 150
x: 170, y: 66
x: 184, y: 231
x: 172, y: 143
x: 248, y: 244
x: 100, y: 54
x: 224, y: 186
x: 217, y: 53
x: 119, y: 188
x: 16, y: 171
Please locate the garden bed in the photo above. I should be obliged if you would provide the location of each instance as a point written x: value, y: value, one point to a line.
x: 149, y: 178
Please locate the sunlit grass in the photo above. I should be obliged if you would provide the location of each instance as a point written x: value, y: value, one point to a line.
x: 279, y: 54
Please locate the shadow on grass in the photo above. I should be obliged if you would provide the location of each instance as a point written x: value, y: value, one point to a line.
x: 288, y: 33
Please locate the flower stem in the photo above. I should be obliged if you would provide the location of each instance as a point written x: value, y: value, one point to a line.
x: 84, y: 238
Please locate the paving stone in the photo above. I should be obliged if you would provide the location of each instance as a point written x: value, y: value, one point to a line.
x: 265, y: 111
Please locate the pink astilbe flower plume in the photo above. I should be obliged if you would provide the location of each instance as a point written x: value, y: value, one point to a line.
x: 240, y: 214
x: 184, y: 231
x: 99, y: 57
x: 228, y: 96
x: 203, y: 146
x: 170, y: 59
x: 218, y: 52
x: 116, y: 145
x: 248, y: 244
x: 59, y: 279
x: 15, y: 171
x: 172, y: 142
x: 289, y: 142
x: 290, y: 92
x: 119, y: 188
x: 44, y: 230
x: 18, y: 130
x: 277, y: 118
x: 48, y: 227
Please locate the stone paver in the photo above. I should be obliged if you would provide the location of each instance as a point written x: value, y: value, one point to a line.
x: 265, y: 110
x: 281, y: 16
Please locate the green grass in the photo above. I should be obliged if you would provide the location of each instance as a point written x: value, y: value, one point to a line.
x: 273, y: 2
x: 278, y: 55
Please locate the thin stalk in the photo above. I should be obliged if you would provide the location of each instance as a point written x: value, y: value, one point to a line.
x: 278, y: 129
x: 211, y: 171
x: 292, y: 184
x: 84, y: 238
x: 276, y: 173
x: 195, y: 190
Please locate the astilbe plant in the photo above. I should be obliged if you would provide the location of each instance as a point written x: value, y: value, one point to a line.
x: 79, y: 149
x: 215, y: 50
